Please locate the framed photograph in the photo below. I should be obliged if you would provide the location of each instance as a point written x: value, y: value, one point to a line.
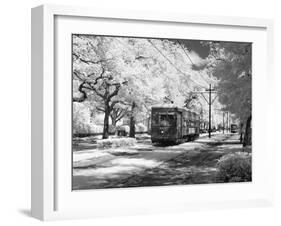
x: 137, y: 112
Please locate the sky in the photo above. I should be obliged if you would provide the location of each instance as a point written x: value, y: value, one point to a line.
x: 197, y: 47
x: 197, y: 51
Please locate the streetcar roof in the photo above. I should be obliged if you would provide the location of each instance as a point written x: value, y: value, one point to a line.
x: 175, y: 109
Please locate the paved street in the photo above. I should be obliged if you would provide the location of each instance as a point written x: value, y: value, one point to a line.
x: 146, y: 165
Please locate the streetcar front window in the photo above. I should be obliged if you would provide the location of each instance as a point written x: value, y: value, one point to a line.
x: 167, y: 120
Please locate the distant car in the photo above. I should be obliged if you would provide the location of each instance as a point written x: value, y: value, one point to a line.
x: 122, y: 130
x: 233, y: 128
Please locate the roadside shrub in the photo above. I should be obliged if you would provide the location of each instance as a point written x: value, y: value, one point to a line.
x: 141, y: 127
x: 96, y: 128
x: 116, y: 142
x: 236, y: 167
x: 81, y: 118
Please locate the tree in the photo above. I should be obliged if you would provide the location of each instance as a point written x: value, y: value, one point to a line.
x: 231, y: 64
x: 81, y: 119
x: 97, y: 72
x: 190, y: 101
x: 144, y: 86
x: 160, y: 78
x: 127, y: 76
x: 116, y: 115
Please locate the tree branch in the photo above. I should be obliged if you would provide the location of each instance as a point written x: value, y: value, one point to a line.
x: 100, y: 109
x: 121, y: 114
x: 115, y: 92
x: 90, y: 83
x: 87, y: 61
x: 113, y: 103
x: 84, y: 94
x: 117, y: 88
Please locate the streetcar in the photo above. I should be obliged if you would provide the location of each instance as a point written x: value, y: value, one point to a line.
x: 233, y: 128
x: 173, y: 125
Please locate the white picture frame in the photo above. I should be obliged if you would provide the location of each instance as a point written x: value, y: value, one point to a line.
x: 47, y: 186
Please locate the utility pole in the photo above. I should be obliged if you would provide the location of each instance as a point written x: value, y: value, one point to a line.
x: 209, y: 101
x: 223, y: 122
x: 210, y: 90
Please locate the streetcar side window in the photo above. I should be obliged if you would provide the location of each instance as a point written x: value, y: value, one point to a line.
x: 155, y: 119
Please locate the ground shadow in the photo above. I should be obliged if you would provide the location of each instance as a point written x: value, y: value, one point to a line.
x: 25, y: 212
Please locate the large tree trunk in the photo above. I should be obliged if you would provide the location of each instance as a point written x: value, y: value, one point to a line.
x: 106, y: 121
x: 248, y: 133
x: 113, y: 122
x: 132, y: 121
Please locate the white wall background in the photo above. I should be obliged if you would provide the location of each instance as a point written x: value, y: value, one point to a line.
x: 15, y: 112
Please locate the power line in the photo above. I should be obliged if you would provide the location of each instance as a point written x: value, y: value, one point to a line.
x: 192, y: 62
x: 174, y: 65
x: 168, y: 61
x: 186, y: 54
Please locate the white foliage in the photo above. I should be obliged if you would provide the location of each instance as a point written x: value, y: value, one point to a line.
x: 116, y: 142
x: 150, y: 78
x: 82, y: 120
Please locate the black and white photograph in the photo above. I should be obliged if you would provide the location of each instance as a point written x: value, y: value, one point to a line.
x: 158, y: 111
